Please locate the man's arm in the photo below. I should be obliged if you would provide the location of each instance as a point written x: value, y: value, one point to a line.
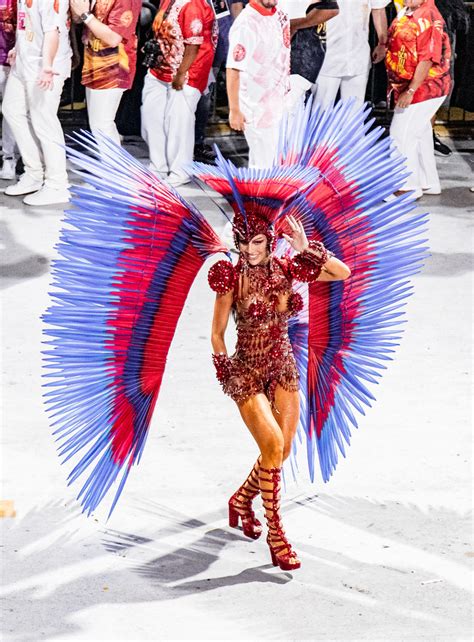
x: 312, y: 19
x: 102, y: 32
x: 236, y: 117
x: 190, y: 54
x: 379, y: 17
x: 50, y: 47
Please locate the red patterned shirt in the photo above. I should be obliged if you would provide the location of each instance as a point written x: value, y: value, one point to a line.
x: 413, y: 38
x: 7, y: 28
x: 108, y: 67
x: 188, y: 22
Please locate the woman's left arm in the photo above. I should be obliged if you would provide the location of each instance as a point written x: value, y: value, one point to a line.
x: 334, y: 270
x: 314, y: 262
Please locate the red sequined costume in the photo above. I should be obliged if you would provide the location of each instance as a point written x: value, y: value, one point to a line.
x: 262, y: 304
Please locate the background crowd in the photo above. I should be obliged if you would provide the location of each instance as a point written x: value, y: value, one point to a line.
x: 274, y: 56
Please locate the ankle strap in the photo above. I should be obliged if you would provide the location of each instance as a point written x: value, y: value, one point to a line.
x: 270, y: 470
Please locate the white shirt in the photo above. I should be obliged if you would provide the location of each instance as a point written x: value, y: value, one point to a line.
x: 259, y: 47
x: 347, y: 38
x: 294, y: 8
x: 35, y: 18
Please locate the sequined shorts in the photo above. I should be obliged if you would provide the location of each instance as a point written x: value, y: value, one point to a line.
x: 246, y: 382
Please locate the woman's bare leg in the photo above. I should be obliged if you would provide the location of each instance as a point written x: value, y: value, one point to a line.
x: 259, y: 419
x: 287, y: 414
x: 265, y: 429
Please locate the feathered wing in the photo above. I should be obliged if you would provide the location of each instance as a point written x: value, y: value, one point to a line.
x: 348, y: 330
x: 129, y: 252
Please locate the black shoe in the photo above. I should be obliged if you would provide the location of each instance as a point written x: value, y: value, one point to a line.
x: 204, y: 154
x: 440, y: 147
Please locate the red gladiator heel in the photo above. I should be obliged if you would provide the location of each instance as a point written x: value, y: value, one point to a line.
x: 240, y: 505
x: 280, y: 549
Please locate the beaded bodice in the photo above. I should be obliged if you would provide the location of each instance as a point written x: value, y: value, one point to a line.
x: 263, y: 303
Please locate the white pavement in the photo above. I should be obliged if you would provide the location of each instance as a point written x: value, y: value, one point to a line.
x: 385, y: 545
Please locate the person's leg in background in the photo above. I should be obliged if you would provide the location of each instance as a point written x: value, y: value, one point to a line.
x: 102, y: 106
x: 15, y: 112
x: 179, y: 128
x: 295, y: 97
x: 354, y: 87
x: 430, y: 183
x: 439, y: 146
x: 263, y: 144
x: 202, y: 152
x: 155, y: 96
x: 325, y: 91
x: 43, y: 109
x: 408, y: 130
x: 8, y: 170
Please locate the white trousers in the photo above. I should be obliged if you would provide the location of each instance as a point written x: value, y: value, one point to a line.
x: 32, y: 114
x: 168, y: 118
x: 8, y: 140
x: 102, y: 106
x: 295, y: 97
x: 412, y: 133
x: 263, y: 144
x: 326, y: 87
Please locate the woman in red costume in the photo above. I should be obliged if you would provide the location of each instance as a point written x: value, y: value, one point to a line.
x: 261, y: 376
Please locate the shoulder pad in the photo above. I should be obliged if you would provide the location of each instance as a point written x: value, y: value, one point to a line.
x: 222, y: 277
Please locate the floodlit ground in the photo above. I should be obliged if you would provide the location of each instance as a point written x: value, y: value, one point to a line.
x: 385, y: 545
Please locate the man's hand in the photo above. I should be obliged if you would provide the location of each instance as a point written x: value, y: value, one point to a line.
x: 11, y: 57
x: 179, y: 80
x: 78, y: 7
x: 45, y: 78
x: 293, y: 29
x: 378, y: 54
x: 404, y: 100
x: 237, y: 120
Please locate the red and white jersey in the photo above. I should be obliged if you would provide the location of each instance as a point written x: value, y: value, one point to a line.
x: 259, y: 47
x: 189, y: 22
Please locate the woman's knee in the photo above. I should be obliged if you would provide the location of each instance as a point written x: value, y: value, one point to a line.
x: 273, y: 448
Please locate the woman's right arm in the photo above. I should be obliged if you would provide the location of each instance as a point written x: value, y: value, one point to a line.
x: 222, y: 308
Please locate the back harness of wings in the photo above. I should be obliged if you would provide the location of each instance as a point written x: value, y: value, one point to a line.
x: 131, y: 247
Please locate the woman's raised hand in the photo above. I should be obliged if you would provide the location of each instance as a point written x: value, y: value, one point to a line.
x: 297, y: 237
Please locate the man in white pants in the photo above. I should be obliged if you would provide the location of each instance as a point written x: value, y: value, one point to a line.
x: 347, y: 63
x: 41, y: 61
x: 7, y: 42
x: 186, y: 32
x: 110, y: 57
x: 8, y: 170
x: 258, y: 68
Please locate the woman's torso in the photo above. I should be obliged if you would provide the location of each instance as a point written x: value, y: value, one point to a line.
x: 263, y: 303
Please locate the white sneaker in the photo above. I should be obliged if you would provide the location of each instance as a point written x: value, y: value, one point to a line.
x: 175, y: 181
x: 434, y: 191
x: 417, y: 193
x: 8, y: 170
x: 25, y: 185
x: 48, y: 196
